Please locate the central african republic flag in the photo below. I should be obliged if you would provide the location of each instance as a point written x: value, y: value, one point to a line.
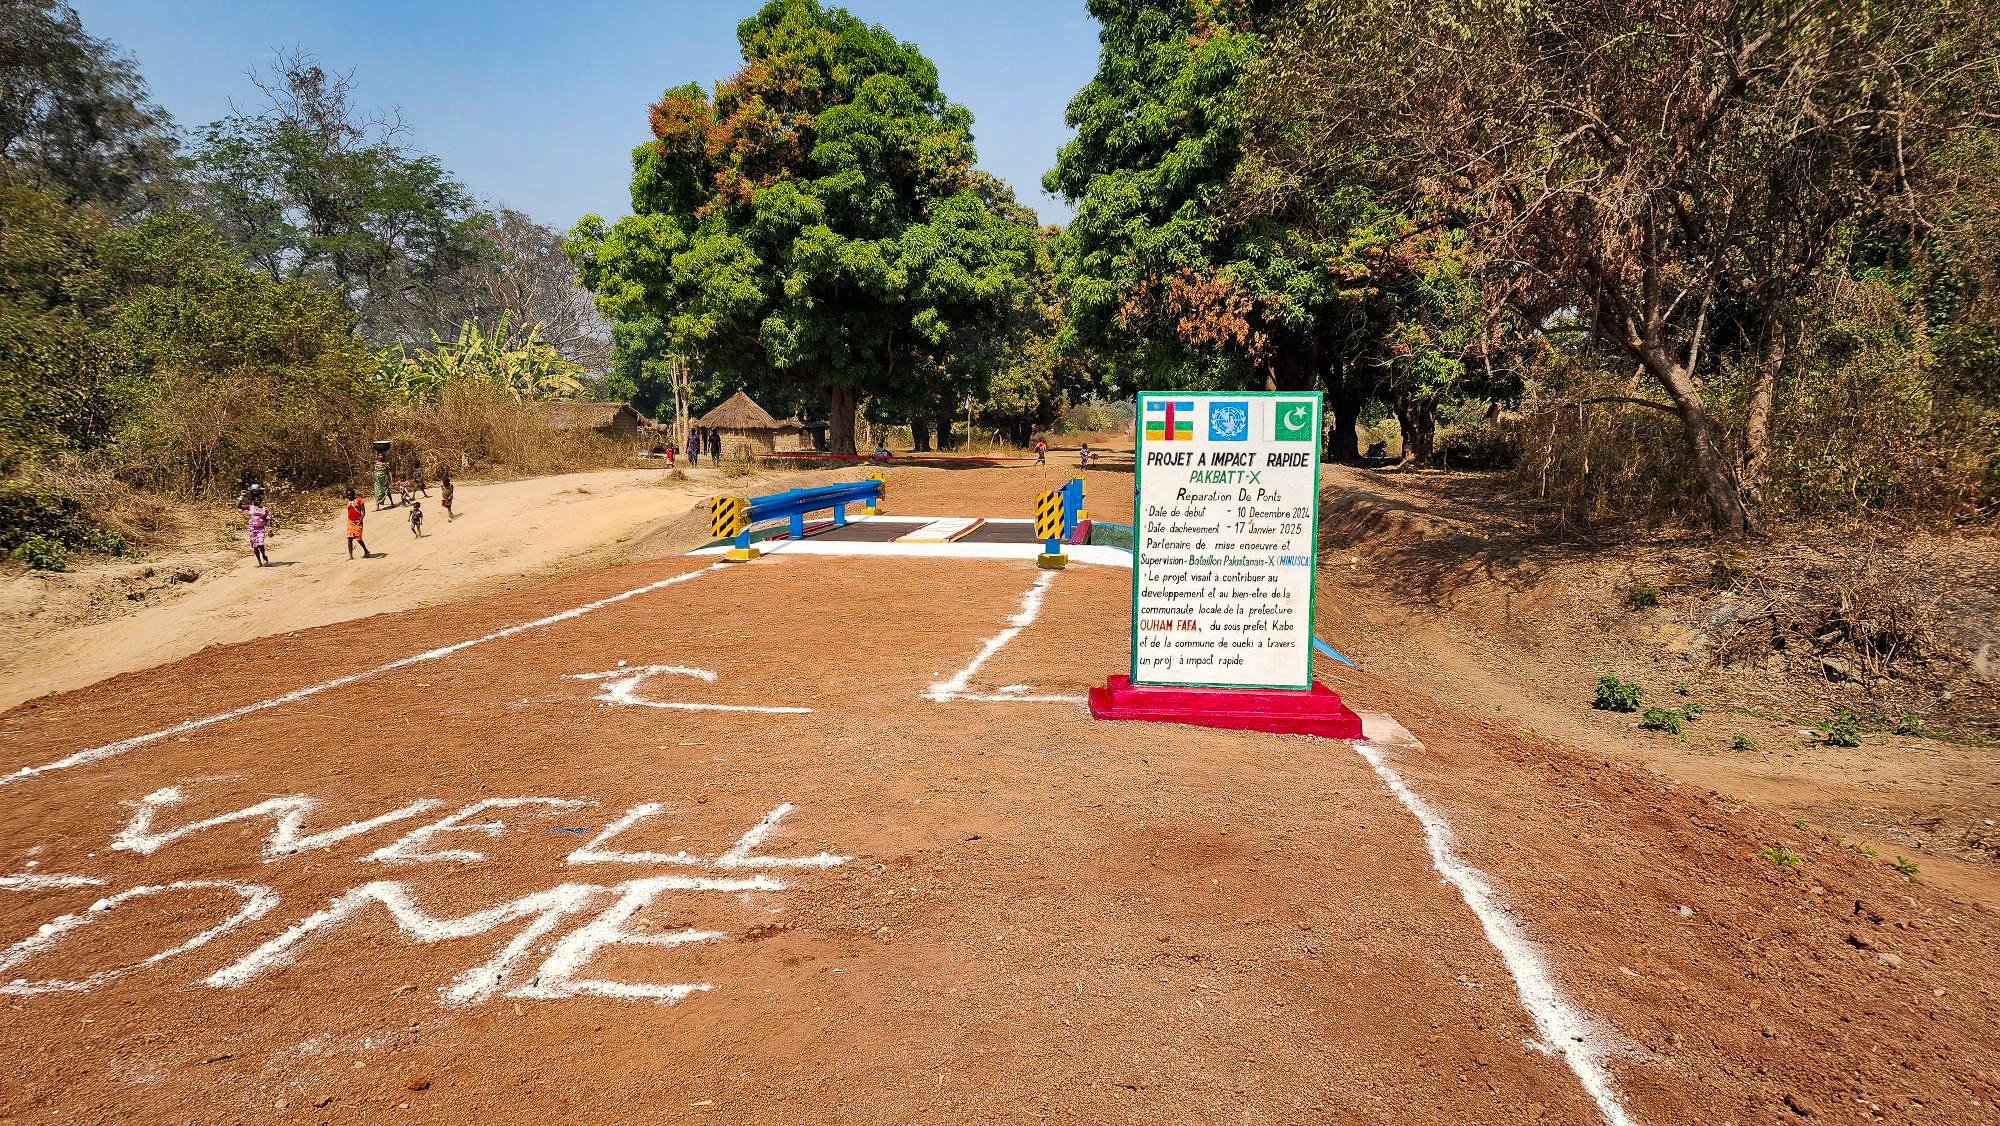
x: 1170, y: 420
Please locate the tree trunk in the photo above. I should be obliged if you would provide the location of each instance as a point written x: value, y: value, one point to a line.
x: 1416, y: 418
x: 920, y: 434
x: 840, y: 419
x: 1725, y: 509
x: 1420, y: 446
x: 1756, y: 469
x: 945, y: 440
x: 679, y: 378
x: 1343, y: 443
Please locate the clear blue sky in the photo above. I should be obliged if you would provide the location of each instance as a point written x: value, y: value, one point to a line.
x: 537, y: 105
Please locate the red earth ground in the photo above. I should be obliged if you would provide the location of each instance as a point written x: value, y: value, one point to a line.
x: 1038, y: 916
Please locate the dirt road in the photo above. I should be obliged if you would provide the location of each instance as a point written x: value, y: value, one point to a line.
x: 69, y: 630
x: 741, y: 843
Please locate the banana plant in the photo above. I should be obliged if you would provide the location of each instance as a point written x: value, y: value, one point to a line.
x: 523, y: 365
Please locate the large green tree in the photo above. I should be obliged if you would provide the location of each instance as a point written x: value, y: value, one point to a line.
x: 1169, y: 282
x: 74, y: 115
x: 310, y: 189
x: 1685, y: 173
x: 154, y: 337
x: 814, y: 221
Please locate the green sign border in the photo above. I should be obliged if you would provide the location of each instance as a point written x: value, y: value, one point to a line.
x: 1139, y: 530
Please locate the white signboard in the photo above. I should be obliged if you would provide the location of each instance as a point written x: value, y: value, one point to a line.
x: 1223, y: 539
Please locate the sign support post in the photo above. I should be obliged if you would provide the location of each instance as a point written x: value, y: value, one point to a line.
x: 1225, y: 547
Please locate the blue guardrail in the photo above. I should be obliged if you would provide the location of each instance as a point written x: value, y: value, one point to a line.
x: 793, y: 504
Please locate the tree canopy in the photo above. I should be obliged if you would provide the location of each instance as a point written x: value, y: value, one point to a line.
x: 1182, y: 268
x: 813, y: 220
x: 74, y: 115
x: 310, y: 189
x: 1683, y: 171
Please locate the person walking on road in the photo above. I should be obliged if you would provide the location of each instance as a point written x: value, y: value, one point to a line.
x: 252, y: 504
x: 357, y: 511
x: 444, y: 493
x: 381, y: 482
x: 1041, y: 451
x: 417, y: 479
x: 694, y: 448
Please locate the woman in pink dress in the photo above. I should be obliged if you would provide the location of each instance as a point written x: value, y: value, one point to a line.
x: 252, y: 504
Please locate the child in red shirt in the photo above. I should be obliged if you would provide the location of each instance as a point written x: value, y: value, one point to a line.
x: 357, y: 510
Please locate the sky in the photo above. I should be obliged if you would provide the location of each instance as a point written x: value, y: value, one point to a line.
x: 537, y: 105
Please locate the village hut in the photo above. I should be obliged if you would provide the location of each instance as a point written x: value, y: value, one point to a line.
x: 794, y: 435
x: 747, y: 429
x: 620, y: 422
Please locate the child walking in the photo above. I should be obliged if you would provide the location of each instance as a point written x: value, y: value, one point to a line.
x: 357, y: 511
x: 1041, y: 451
x: 252, y: 504
x: 444, y: 492
x: 417, y: 518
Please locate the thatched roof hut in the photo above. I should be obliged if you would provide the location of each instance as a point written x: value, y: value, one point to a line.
x: 620, y: 421
x: 748, y: 429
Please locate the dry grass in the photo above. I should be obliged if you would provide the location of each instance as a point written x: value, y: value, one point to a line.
x: 143, y: 520
x: 483, y: 430
x: 1876, y: 613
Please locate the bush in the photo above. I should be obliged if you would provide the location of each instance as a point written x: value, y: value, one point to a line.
x: 1661, y: 719
x: 1741, y: 742
x: 1643, y: 596
x: 32, y: 511
x: 1096, y: 416
x: 41, y: 553
x: 474, y: 425
x: 1469, y: 438
x: 1886, y: 411
x: 1615, y: 695
x: 1843, y: 730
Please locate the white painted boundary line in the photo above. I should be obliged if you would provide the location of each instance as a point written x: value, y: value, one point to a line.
x: 113, y: 750
x: 948, y: 691
x: 1563, y: 1029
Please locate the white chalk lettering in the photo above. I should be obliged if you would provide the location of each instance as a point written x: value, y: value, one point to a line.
x: 596, y: 853
x: 288, y: 835
x: 739, y: 856
x: 621, y: 686
x: 44, y: 881
x: 257, y: 900
x: 531, y: 926
x: 546, y: 908
x: 557, y: 977
x: 410, y: 847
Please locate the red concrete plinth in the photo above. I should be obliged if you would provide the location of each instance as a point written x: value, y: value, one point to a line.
x: 1314, y: 711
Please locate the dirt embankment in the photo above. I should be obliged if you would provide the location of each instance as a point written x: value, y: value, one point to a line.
x: 70, y: 629
x: 1441, y: 581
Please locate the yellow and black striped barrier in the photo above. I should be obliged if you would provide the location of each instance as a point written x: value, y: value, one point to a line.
x: 1049, y: 515
x: 726, y: 516
x: 727, y: 519
x: 1049, y: 529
